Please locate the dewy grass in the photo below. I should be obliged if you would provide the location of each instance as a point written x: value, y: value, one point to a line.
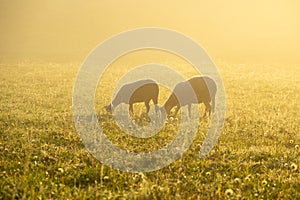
x: 42, y: 157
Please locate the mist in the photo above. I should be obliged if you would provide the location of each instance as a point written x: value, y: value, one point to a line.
x: 231, y: 31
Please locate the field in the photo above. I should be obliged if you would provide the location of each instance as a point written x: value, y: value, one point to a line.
x: 42, y: 156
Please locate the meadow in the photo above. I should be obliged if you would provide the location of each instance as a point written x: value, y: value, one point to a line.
x: 42, y: 156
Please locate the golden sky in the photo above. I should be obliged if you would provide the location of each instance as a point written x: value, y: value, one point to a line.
x: 257, y: 31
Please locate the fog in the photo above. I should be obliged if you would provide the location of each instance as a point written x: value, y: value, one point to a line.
x: 231, y: 31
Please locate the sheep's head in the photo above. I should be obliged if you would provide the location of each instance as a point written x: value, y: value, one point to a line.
x: 108, y: 108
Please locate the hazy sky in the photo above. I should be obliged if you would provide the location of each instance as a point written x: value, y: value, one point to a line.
x: 232, y: 31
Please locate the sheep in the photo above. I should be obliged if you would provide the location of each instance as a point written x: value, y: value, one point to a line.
x: 143, y: 90
x: 198, y: 89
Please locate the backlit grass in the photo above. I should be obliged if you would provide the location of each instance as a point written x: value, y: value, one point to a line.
x: 257, y: 156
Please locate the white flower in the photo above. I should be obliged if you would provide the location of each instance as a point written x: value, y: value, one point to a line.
x: 229, y: 192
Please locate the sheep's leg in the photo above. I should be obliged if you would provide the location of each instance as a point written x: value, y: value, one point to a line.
x: 156, y: 108
x: 176, y: 111
x: 189, y: 109
x: 155, y: 104
x: 147, y: 106
x: 207, y: 108
x: 131, y: 108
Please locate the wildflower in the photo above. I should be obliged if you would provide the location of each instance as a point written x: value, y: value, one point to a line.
x: 208, y: 174
x: 294, y: 166
x: 229, y: 192
x: 291, y: 141
x: 237, y: 180
x: 248, y: 178
x: 264, y: 182
x: 153, y: 187
x: 61, y: 170
x: 296, y: 146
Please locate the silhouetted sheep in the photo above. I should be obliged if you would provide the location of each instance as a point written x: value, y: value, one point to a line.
x: 196, y: 87
x: 139, y: 91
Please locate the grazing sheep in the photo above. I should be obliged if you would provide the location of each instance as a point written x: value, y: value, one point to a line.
x: 138, y: 91
x: 196, y: 87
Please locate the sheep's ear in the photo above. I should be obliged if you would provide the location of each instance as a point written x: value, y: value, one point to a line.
x: 110, y: 107
x: 107, y: 108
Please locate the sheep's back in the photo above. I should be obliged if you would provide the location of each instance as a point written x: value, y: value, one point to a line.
x: 138, y: 91
x: 195, y: 90
x: 145, y: 92
x: 203, y: 86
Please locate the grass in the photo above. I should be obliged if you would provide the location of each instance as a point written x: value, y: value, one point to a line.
x: 42, y: 156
